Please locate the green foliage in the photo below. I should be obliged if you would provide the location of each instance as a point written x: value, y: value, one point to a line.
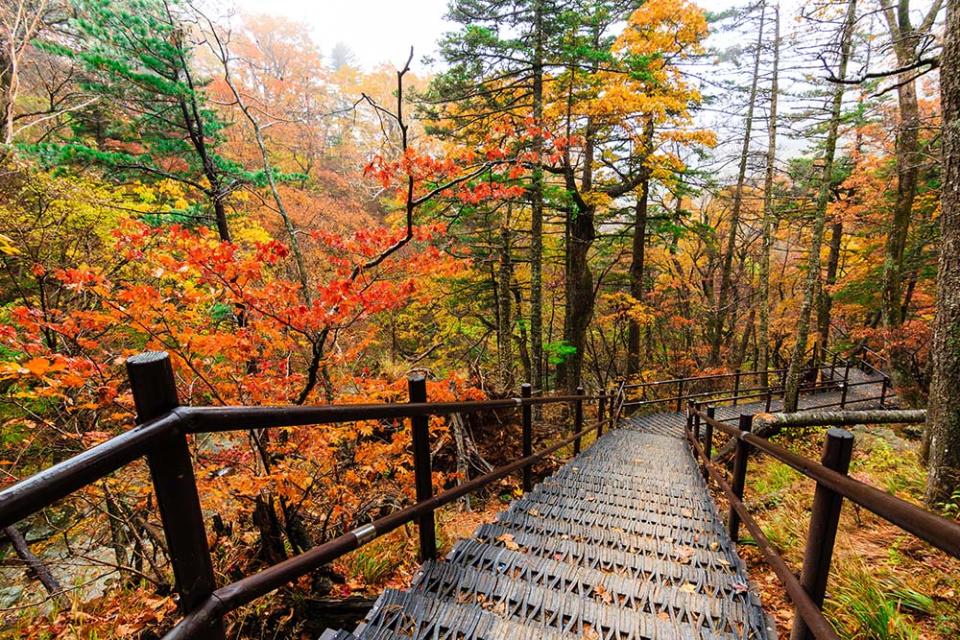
x: 558, y: 352
x: 876, y: 609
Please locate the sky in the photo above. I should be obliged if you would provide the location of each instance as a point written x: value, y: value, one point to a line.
x: 377, y: 31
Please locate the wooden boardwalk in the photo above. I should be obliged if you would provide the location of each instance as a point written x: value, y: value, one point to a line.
x: 623, y: 542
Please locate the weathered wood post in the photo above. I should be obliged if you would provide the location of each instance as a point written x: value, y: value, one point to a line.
x: 601, y: 414
x: 843, y: 385
x: 525, y: 392
x: 680, y: 395
x: 422, y: 470
x: 739, y: 475
x: 695, y: 410
x: 171, y: 468
x: 736, y: 387
x: 822, y: 534
x: 708, y: 440
x: 577, y: 419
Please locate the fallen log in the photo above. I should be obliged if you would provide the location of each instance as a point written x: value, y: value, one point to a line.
x: 767, y: 425
x: 841, y: 418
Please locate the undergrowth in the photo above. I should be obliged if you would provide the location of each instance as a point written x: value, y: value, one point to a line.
x: 885, y: 584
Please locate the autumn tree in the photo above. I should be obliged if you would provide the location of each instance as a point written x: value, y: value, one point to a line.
x: 943, y: 414
x: 798, y: 355
x: 152, y: 119
x: 648, y: 92
x: 911, y: 45
x: 499, y: 61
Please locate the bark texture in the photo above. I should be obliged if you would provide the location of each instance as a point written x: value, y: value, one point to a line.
x: 943, y: 415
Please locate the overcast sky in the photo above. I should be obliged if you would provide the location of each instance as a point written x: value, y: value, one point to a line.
x: 376, y: 31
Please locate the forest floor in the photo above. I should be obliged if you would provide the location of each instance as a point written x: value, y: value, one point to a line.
x: 885, y: 584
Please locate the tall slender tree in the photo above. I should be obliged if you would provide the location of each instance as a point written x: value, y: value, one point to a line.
x: 943, y: 413
x: 798, y: 356
x: 769, y: 220
x: 911, y: 45
x: 137, y: 57
x: 725, y: 305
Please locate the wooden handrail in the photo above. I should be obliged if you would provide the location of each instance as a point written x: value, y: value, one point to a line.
x: 833, y: 485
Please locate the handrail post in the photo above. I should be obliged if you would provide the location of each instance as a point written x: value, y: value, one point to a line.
x: 422, y: 471
x: 708, y: 433
x: 695, y: 410
x: 769, y: 399
x: 689, y: 415
x: 823, y: 527
x: 577, y: 419
x: 736, y: 386
x: 679, y: 395
x: 171, y: 468
x: 739, y: 475
x: 883, y: 391
x: 601, y: 414
x: 843, y: 385
x: 525, y: 392
x: 833, y: 368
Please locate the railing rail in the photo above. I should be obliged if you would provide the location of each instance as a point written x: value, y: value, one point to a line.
x: 163, y: 425
x: 833, y: 485
x: 160, y: 436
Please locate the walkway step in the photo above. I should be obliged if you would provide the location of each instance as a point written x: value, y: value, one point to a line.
x: 596, y: 548
x: 568, y: 606
x: 617, y: 533
x: 660, y: 582
x: 623, y: 542
x: 402, y: 614
x: 635, y: 563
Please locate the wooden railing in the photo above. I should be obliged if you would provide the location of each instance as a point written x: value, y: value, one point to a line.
x: 728, y: 387
x: 833, y: 486
x: 160, y: 436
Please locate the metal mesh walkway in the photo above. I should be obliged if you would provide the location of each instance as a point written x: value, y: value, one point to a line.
x: 623, y: 542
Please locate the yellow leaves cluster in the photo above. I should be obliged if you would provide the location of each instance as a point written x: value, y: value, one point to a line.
x: 665, y: 27
x: 622, y: 307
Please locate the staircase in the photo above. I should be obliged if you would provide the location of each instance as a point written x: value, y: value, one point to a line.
x: 623, y: 542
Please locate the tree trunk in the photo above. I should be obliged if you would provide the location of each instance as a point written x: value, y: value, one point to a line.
x: 9, y: 79
x: 636, y: 276
x: 792, y: 388
x: 35, y: 566
x: 579, y: 305
x: 504, y: 315
x: 536, y: 208
x: 522, y: 338
x: 905, y: 40
x: 725, y: 305
x: 826, y: 299
x: 763, y: 326
x: 943, y: 414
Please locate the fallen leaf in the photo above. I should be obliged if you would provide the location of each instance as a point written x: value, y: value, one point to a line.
x: 508, y: 542
x: 600, y: 592
x: 685, y: 555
